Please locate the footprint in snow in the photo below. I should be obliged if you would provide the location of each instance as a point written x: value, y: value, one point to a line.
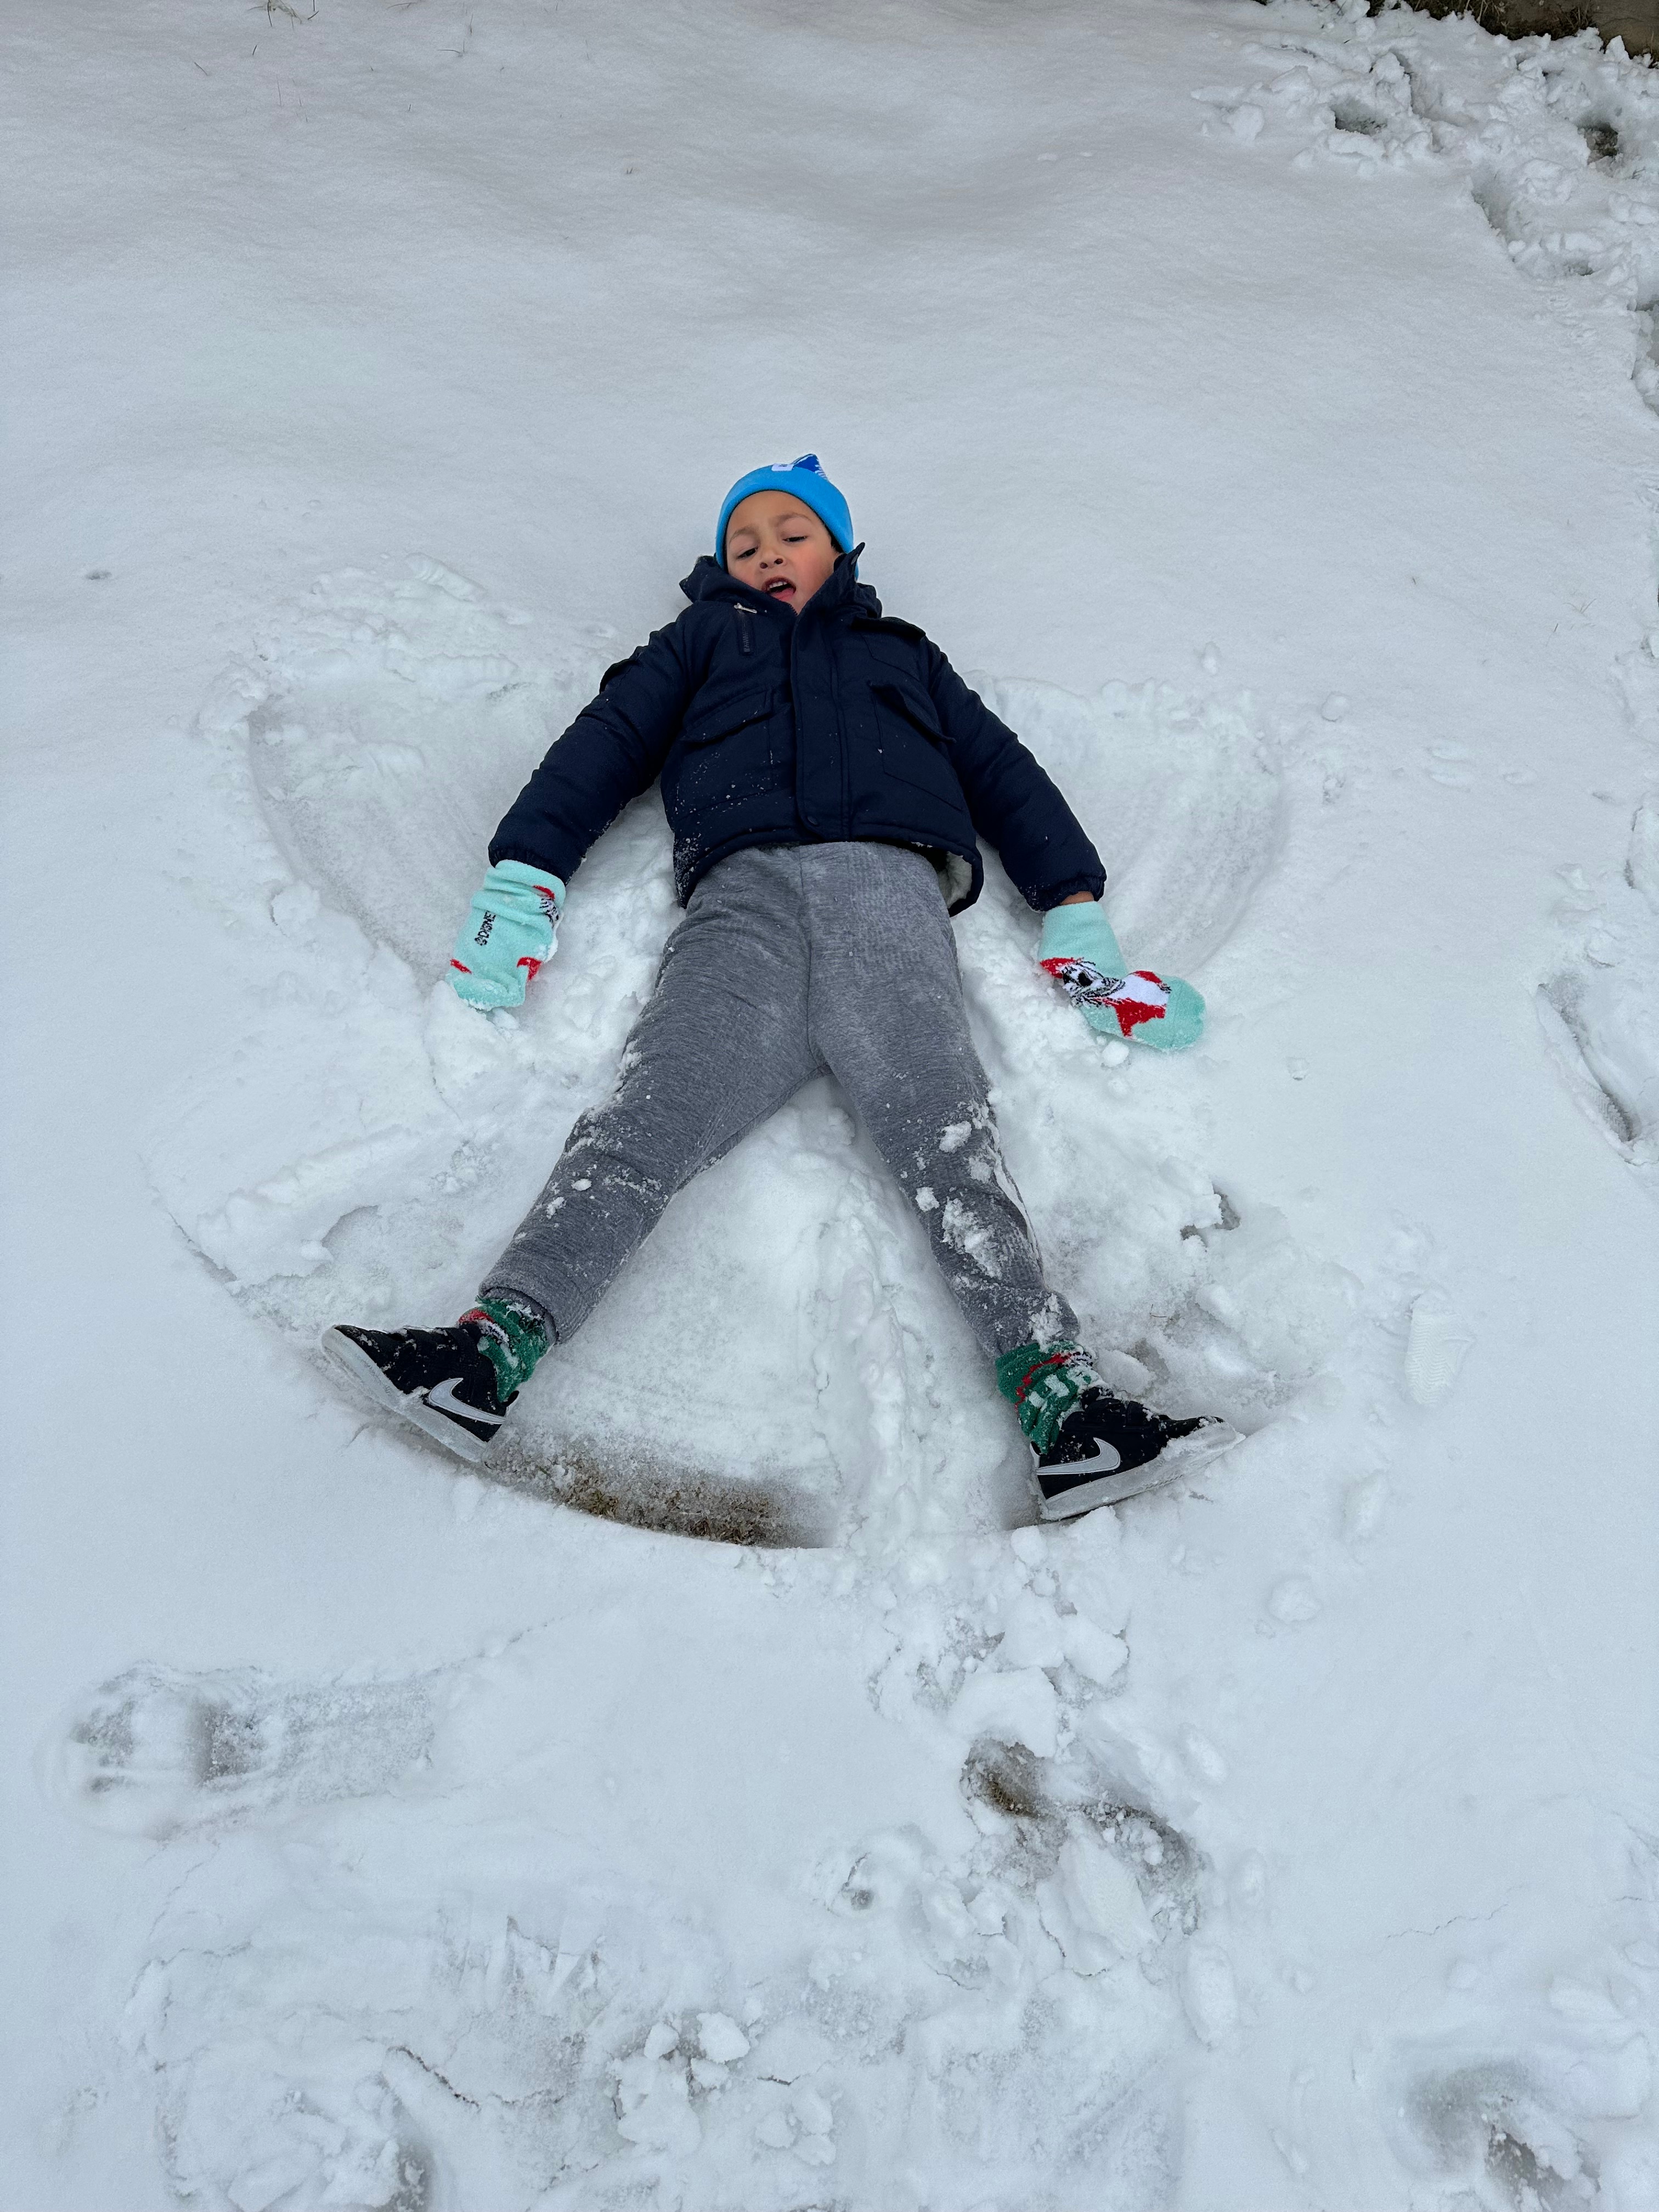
x: 1488, y: 2125
x: 404, y: 2031
x: 1048, y: 2081
x: 1558, y: 158
x: 375, y: 2044
x: 1600, y: 1011
x: 157, y: 1751
x: 1047, y: 1804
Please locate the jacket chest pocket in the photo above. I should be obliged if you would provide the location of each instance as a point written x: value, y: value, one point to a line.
x: 723, y: 751
x: 913, y: 746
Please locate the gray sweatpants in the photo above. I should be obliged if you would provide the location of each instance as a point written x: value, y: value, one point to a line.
x: 792, y: 960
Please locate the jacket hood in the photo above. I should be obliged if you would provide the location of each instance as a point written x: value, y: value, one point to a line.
x: 708, y: 581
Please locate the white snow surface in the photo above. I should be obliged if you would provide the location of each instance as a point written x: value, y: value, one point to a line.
x: 730, y: 1803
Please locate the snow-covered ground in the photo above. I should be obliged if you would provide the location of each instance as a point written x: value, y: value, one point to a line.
x: 1254, y: 397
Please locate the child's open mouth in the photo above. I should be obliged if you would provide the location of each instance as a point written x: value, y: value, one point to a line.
x: 780, y: 588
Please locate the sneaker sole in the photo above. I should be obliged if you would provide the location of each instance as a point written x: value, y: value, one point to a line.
x: 1177, y: 1460
x: 353, y: 1361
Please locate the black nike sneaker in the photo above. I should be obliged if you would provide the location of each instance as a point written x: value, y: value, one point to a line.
x: 1108, y: 1447
x: 439, y: 1378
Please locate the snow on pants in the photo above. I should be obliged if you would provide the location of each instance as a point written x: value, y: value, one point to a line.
x: 792, y: 960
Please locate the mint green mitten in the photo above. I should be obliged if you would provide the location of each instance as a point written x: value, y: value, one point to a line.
x: 1081, y: 952
x: 510, y: 930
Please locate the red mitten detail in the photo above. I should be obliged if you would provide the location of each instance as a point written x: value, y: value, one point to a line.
x: 1139, y: 997
x: 1132, y: 1006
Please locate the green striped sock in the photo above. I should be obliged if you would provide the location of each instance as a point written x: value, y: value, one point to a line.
x: 511, y: 1338
x: 1043, y: 1382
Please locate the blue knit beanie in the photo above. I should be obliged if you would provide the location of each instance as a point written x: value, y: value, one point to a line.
x: 806, y: 480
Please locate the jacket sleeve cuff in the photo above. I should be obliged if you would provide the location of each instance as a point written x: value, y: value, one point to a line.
x: 1054, y: 895
x: 522, y: 853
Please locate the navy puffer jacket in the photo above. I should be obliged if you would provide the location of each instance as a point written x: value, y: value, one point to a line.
x: 769, y: 727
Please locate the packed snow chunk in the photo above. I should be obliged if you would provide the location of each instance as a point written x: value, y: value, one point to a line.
x: 812, y: 2113
x: 654, y: 2099
x: 1033, y: 1635
x: 1437, y: 1344
x: 1093, y: 1908
x: 1364, y: 1506
x: 316, y: 2132
x: 1208, y: 1993
x: 1642, y: 861
x: 1264, y: 1317
x: 1018, y: 1705
x: 813, y: 2116
x: 1611, y: 2085
x: 1203, y: 1758
x: 476, y: 1061
x: 721, y: 2038
x: 1293, y: 1601
x: 1094, y: 1652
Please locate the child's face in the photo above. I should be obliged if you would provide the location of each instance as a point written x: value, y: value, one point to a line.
x: 779, y: 546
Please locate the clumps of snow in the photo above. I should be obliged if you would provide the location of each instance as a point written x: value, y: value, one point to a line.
x: 352, y: 1998
x: 1558, y: 138
x: 1092, y: 1908
x: 442, y: 2038
x: 976, y: 1240
x: 394, y: 2031
x: 720, y: 2039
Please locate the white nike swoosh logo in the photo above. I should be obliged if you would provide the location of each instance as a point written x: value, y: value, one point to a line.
x: 1103, y: 1460
x: 443, y: 1399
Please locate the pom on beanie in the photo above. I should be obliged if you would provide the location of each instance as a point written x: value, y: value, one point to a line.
x: 806, y: 480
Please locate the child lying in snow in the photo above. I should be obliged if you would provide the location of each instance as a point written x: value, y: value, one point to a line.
x: 826, y: 773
